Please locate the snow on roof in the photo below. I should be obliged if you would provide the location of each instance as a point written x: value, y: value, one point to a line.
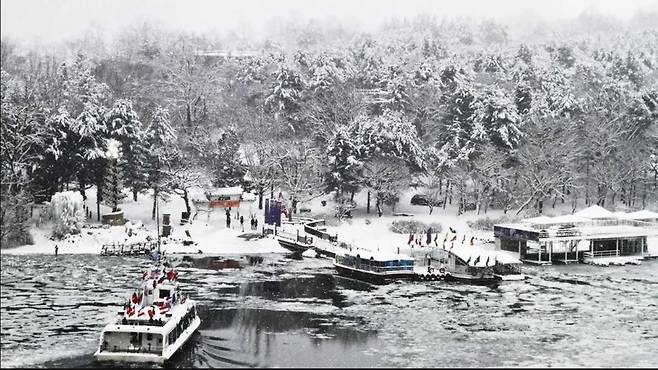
x: 568, y: 219
x: 472, y: 252
x: 234, y: 190
x: 642, y: 215
x: 595, y: 212
x: 538, y: 220
x: 622, y: 215
x: 378, y: 255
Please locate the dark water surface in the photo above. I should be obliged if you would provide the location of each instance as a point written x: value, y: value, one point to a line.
x: 290, y: 312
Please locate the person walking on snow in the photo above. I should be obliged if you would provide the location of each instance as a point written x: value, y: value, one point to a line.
x: 411, y: 238
x: 242, y: 223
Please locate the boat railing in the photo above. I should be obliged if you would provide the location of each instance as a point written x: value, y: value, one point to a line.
x: 156, y: 350
x: 154, y: 322
x: 367, y: 267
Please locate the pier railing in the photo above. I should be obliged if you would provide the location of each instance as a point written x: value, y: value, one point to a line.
x: 600, y: 254
x: 611, y: 253
x: 131, y: 249
x: 313, y: 228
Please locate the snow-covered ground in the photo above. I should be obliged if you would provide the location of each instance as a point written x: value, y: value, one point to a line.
x: 209, y: 231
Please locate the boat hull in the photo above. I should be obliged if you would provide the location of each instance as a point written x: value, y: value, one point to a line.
x: 373, y: 277
x: 475, y: 280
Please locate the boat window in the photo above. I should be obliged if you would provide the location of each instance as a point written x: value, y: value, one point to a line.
x: 149, y: 336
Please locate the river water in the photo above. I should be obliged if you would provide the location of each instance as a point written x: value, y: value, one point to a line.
x: 297, y: 312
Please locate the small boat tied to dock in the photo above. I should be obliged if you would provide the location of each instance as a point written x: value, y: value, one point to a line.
x: 475, y: 265
x: 153, y: 325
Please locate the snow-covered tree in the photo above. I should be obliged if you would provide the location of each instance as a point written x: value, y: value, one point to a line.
x: 385, y: 177
x: 67, y: 213
x: 389, y: 135
x: 299, y: 171
x: 496, y: 119
x: 345, y: 162
x: 23, y: 134
x: 285, y: 95
x: 123, y: 124
x: 161, y: 152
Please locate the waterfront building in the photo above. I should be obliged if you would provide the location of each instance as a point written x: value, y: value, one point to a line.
x: 587, y: 235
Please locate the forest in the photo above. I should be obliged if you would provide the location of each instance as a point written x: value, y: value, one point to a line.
x: 473, y: 113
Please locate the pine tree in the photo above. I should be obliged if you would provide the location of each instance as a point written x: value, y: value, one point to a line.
x: 124, y: 125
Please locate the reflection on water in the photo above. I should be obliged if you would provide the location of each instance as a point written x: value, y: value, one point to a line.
x: 288, y: 312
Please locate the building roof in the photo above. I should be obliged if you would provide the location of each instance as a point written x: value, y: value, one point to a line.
x: 595, y: 212
x: 567, y: 219
x: 538, y: 220
x: 642, y: 215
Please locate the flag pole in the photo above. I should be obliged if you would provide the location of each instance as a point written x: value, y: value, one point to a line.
x: 157, y: 212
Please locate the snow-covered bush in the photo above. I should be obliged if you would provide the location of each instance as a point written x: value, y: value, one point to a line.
x: 66, y: 210
x: 413, y: 226
x: 487, y: 223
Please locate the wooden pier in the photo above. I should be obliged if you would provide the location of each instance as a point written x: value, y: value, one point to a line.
x: 130, y: 249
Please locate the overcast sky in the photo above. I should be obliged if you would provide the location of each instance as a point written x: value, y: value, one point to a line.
x: 54, y: 20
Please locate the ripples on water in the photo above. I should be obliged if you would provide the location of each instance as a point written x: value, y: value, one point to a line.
x: 291, y: 312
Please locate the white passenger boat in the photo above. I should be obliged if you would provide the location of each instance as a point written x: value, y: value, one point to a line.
x: 154, y: 325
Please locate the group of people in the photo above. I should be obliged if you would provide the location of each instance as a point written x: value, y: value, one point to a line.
x: 254, y: 220
x: 418, y: 239
x: 254, y: 223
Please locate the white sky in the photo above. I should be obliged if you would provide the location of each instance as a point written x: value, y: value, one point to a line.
x: 54, y: 20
